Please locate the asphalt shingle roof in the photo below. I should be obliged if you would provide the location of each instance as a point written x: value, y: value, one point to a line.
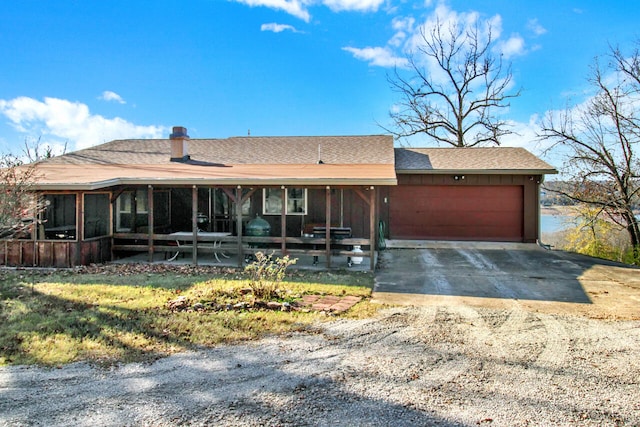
x: 374, y: 149
x: 345, y: 160
x: 487, y: 159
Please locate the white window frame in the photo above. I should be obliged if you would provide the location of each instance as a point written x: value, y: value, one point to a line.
x: 126, y: 209
x: 272, y: 203
x: 142, y: 206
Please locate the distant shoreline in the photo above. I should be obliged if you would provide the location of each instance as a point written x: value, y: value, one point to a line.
x: 557, y: 210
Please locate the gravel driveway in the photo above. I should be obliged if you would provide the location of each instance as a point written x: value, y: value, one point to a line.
x: 454, y: 365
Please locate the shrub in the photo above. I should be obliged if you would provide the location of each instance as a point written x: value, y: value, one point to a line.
x: 265, y: 274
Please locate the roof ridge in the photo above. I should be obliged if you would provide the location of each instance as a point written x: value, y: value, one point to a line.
x: 460, y: 148
x: 304, y: 136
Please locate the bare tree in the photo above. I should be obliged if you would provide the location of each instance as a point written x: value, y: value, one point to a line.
x: 457, y: 103
x: 600, y: 140
x: 19, y: 205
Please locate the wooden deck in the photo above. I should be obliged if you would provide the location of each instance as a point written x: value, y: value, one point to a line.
x: 241, y: 248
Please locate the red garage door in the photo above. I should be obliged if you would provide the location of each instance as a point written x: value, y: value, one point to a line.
x: 490, y: 213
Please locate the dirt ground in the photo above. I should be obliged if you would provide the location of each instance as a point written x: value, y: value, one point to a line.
x: 448, y: 360
x: 452, y: 365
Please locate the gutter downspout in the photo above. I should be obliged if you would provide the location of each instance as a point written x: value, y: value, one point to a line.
x: 540, y: 242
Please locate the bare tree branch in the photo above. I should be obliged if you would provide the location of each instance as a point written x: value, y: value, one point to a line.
x: 459, y: 110
x: 19, y: 205
x: 602, y: 140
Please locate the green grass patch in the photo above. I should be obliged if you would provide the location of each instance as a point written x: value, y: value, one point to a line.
x: 121, y: 315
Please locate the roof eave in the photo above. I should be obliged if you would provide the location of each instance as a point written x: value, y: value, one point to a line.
x: 476, y: 171
x: 231, y: 182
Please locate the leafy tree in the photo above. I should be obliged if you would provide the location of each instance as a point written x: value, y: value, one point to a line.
x: 600, y: 139
x: 455, y: 101
x: 595, y: 236
x: 551, y: 194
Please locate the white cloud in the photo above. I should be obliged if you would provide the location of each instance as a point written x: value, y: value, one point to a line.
x: 534, y: 26
x: 297, y: 8
x: 278, y: 28
x: 300, y: 8
x: 524, y: 135
x: 462, y: 21
x: 379, y: 56
x: 359, y: 5
x: 513, y: 46
x: 403, y: 23
x: 108, y: 95
x: 59, y: 120
x: 402, y: 26
x: 408, y: 37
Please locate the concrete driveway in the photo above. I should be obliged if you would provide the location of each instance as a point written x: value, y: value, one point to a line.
x: 497, y: 274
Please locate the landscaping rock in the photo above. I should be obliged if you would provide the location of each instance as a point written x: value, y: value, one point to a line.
x: 178, y: 304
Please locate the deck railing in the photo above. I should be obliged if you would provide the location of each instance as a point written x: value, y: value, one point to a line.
x: 293, y: 246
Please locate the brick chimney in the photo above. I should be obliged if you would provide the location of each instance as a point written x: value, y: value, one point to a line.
x: 179, y: 144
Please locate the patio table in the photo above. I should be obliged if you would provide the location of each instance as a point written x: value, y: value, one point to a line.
x: 202, y: 236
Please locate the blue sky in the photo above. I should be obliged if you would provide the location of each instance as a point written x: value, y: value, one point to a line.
x: 85, y: 72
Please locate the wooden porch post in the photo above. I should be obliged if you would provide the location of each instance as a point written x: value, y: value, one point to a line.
x: 194, y: 223
x: 327, y: 234
x: 283, y: 222
x: 372, y: 228
x: 150, y: 220
x: 239, y: 200
x: 79, y: 230
x: 239, y: 223
x: 34, y: 230
x: 371, y: 201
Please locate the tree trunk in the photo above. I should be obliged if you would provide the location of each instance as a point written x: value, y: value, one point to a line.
x: 635, y: 245
x: 633, y: 228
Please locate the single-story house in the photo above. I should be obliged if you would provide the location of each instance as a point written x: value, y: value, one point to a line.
x: 322, y: 196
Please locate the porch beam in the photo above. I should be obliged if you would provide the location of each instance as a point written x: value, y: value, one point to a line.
x: 234, y: 197
x: 362, y: 196
x: 150, y: 220
x: 372, y: 228
x: 194, y: 223
x: 327, y: 232
x: 117, y: 194
x: 229, y: 194
x: 246, y: 196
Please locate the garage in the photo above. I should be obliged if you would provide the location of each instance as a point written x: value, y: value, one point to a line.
x: 450, y: 212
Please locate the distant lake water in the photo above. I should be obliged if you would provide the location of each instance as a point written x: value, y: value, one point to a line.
x: 553, y: 223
